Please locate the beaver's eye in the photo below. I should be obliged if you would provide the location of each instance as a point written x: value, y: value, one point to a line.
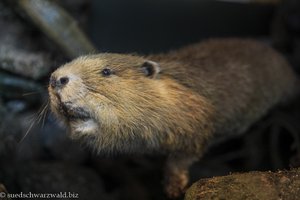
x: 106, y: 72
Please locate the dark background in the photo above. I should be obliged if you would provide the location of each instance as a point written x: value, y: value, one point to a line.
x: 155, y: 26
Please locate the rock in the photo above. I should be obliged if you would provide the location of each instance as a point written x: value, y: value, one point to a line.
x: 56, y: 142
x: 9, y: 135
x: 252, y: 185
x: 131, y: 177
x: 40, y: 137
x: 19, y: 52
x: 37, y: 136
x: 19, y: 61
x: 2, y: 111
x: 14, y: 87
x: 57, y: 177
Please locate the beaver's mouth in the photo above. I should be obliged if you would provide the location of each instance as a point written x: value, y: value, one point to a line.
x: 68, y: 110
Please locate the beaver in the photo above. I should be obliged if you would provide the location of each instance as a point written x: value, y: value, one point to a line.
x: 174, y: 103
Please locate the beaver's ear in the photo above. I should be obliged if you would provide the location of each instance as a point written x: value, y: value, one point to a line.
x: 150, y: 69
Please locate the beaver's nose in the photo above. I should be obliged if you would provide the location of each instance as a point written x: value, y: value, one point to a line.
x: 57, y: 83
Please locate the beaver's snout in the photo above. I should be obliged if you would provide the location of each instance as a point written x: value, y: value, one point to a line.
x: 58, y: 83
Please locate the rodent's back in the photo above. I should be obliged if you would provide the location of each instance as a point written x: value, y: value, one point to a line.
x: 243, y: 79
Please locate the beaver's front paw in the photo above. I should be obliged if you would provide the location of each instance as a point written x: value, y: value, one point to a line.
x: 175, y: 184
x: 177, y: 174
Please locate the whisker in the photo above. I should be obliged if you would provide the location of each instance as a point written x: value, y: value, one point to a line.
x: 30, y: 93
x: 29, y: 129
x: 45, y: 113
x: 36, y: 92
x: 36, y: 118
x: 40, y: 115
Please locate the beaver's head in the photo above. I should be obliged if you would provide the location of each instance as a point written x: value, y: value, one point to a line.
x: 120, y: 102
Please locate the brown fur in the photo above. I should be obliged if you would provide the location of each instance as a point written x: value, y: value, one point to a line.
x: 215, y: 87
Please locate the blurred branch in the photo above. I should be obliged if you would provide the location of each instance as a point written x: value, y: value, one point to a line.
x: 58, y: 25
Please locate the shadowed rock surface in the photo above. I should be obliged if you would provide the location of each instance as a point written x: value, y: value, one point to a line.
x: 252, y: 185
